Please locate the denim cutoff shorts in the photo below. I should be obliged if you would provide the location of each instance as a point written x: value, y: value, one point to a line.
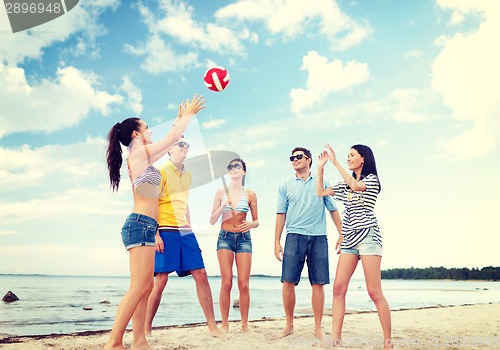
x: 238, y: 242
x: 366, y: 247
x: 139, y: 230
x: 297, y: 249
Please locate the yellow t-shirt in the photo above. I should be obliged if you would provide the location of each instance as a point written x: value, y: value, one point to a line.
x: 173, y: 203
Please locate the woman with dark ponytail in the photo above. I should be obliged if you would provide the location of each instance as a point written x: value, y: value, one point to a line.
x: 138, y: 232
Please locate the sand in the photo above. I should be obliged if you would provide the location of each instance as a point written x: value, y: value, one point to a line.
x: 455, y: 327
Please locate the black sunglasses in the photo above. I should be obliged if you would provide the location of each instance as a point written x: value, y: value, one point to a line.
x: 183, y: 144
x: 235, y: 166
x: 298, y: 156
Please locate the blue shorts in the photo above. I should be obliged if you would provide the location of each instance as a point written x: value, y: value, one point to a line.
x: 139, y: 230
x: 238, y: 242
x: 297, y: 249
x: 366, y: 247
x: 181, y: 253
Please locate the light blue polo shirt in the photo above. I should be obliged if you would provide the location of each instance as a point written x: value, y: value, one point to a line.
x: 305, y: 211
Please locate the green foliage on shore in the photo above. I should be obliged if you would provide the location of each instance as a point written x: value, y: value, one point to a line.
x: 486, y: 273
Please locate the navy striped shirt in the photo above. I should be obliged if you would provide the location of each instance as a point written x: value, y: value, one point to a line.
x: 358, y: 217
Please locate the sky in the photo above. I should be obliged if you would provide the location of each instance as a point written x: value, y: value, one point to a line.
x: 417, y: 81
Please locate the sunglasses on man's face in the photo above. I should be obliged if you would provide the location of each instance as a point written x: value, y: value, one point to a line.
x: 298, y: 156
x: 183, y: 144
x: 234, y: 166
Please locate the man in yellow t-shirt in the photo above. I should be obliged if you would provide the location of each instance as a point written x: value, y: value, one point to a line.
x: 176, y: 246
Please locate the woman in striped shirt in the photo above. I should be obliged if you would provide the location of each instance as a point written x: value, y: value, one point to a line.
x: 360, y: 237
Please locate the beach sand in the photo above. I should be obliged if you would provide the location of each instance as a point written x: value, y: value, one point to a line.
x: 456, y: 327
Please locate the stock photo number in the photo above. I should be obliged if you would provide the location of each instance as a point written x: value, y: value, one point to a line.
x: 32, y: 7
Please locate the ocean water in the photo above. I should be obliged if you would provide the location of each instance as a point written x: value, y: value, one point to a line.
x: 55, y: 304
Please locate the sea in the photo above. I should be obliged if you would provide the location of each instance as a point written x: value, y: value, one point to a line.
x: 69, y: 304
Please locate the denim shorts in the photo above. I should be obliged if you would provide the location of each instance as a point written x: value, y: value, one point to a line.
x: 181, y: 253
x: 238, y: 242
x: 366, y: 247
x: 297, y: 249
x: 139, y: 230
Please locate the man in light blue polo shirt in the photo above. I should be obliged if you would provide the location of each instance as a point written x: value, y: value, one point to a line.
x: 304, y: 214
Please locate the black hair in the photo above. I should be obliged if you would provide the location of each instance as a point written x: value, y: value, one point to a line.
x: 119, y: 133
x: 243, y: 164
x: 306, y: 152
x: 369, y: 165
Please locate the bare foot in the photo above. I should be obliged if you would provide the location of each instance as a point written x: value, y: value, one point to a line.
x: 224, y: 329
x: 388, y: 344
x: 217, y: 333
x: 284, y: 333
x: 319, y: 342
x: 114, y: 347
x: 141, y: 346
x: 246, y: 329
x: 336, y: 343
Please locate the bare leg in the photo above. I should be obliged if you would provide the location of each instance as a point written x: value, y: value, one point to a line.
x: 138, y: 318
x: 371, y: 268
x: 244, y: 264
x: 160, y: 282
x: 289, y: 305
x: 318, y: 305
x: 345, y: 268
x: 206, y: 302
x: 225, y: 258
x: 141, y: 280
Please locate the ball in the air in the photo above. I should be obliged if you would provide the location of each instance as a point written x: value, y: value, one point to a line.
x: 216, y: 78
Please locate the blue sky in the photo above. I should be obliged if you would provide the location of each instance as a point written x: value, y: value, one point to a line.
x: 418, y: 81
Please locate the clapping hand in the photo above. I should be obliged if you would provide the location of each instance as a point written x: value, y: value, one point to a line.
x: 331, y: 156
x: 322, y: 158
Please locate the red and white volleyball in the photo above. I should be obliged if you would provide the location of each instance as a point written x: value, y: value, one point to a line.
x: 216, y: 78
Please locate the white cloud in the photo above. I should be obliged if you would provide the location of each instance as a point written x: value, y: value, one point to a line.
x: 291, y: 18
x: 134, y: 95
x: 43, y: 183
x: 456, y: 18
x: 91, y: 202
x: 160, y: 57
x: 324, y: 78
x: 213, y: 123
x: 174, y: 22
x: 413, y: 54
x: 29, y: 44
x: 263, y: 138
x: 467, y: 75
x: 408, y: 102
x: 49, y: 104
x: 60, y: 193
x: 211, y: 63
x: 461, y: 8
x: 64, y: 259
x: 25, y: 166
